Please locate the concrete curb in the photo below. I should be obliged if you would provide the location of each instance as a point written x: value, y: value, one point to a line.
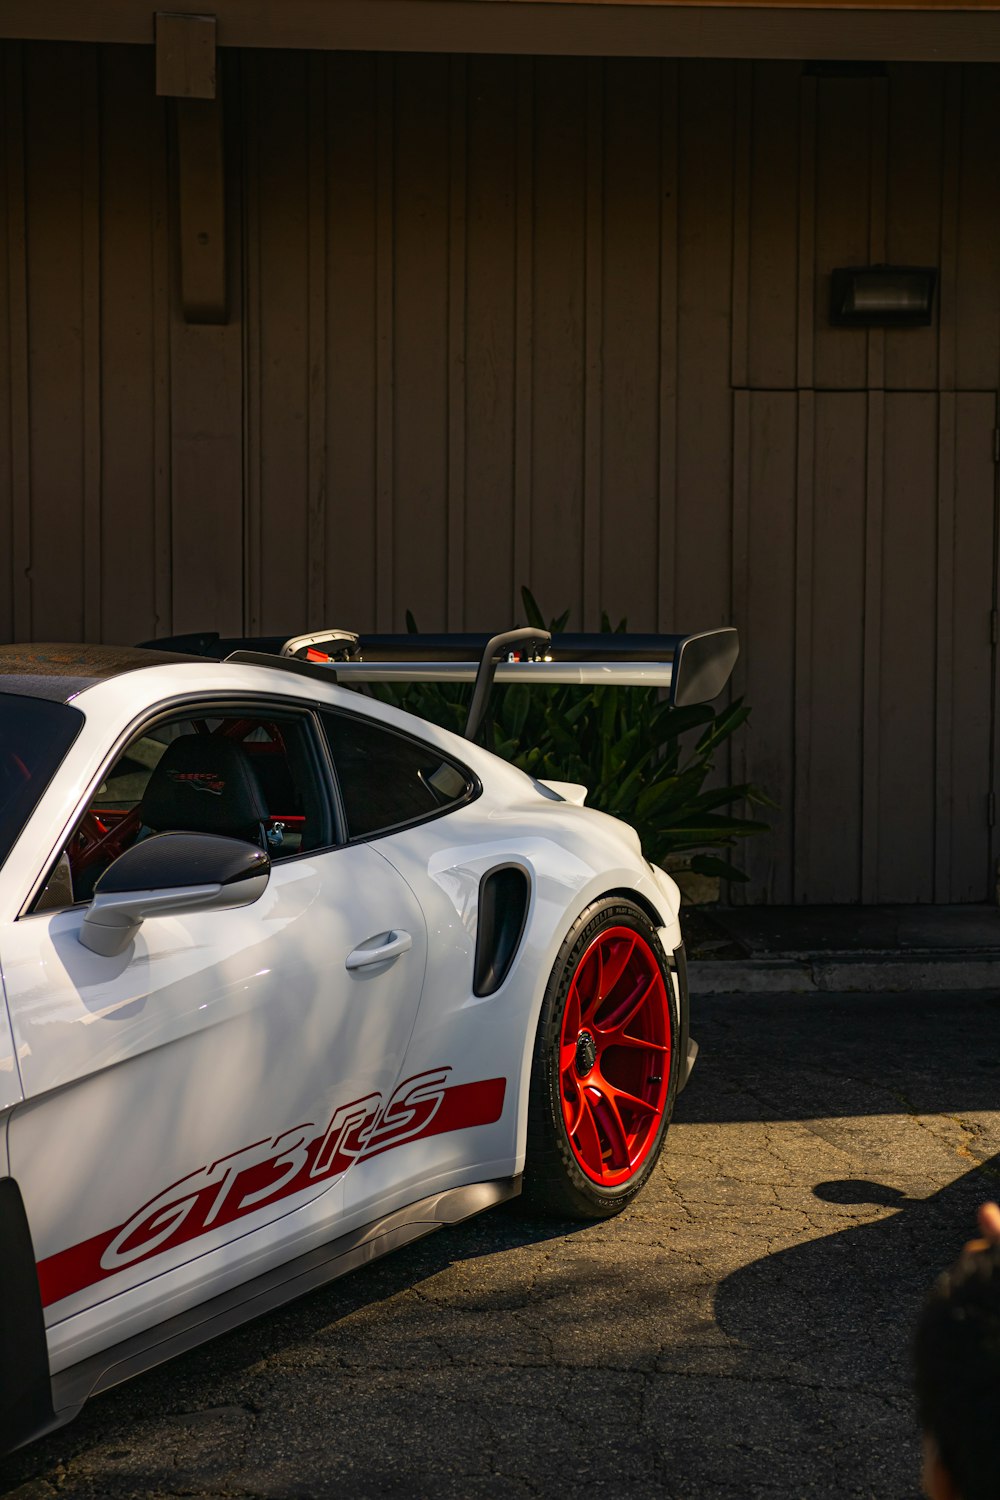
x: 868, y: 973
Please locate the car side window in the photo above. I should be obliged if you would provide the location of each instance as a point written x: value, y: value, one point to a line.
x: 388, y: 779
x: 247, y: 775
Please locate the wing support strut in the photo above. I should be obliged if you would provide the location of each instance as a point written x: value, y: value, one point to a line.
x: 530, y: 640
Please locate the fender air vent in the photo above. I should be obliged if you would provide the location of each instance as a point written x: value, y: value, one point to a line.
x: 503, y: 908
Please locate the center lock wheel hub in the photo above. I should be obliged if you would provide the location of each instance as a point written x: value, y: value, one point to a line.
x: 586, y: 1054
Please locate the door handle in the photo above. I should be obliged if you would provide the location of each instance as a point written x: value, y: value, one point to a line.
x: 388, y: 945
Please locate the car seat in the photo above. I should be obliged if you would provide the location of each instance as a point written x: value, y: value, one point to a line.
x: 204, y: 783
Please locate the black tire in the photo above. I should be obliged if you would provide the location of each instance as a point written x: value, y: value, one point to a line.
x: 596, y: 1171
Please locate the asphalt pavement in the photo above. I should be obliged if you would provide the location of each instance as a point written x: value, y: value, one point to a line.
x: 742, y: 1331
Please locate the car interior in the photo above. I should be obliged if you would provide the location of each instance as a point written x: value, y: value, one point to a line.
x: 242, y: 776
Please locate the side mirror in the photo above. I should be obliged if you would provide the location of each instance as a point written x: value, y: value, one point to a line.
x: 171, y: 874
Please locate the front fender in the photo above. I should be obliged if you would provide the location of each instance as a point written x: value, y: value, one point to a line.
x: 651, y: 891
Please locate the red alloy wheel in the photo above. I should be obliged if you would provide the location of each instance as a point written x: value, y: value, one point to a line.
x: 614, y: 1056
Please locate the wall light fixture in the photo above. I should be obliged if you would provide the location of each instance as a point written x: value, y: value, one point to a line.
x: 882, y: 296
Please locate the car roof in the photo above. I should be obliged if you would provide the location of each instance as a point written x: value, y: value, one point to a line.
x: 59, y: 672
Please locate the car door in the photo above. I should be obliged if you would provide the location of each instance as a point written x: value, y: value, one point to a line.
x: 391, y: 783
x: 204, y: 1090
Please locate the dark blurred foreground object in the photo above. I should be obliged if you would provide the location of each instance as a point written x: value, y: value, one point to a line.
x: 957, y: 1378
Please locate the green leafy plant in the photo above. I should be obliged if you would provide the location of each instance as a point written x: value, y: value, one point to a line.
x: 640, y: 759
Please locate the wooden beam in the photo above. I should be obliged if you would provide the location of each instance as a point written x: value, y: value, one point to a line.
x: 201, y: 200
x: 887, y: 31
x: 185, y: 56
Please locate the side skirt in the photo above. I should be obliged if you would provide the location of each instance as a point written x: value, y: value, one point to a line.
x: 72, y: 1387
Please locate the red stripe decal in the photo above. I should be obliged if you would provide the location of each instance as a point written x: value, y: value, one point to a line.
x: 270, y: 1170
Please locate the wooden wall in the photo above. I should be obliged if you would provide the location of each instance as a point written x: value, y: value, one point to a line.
x: 551, y: 321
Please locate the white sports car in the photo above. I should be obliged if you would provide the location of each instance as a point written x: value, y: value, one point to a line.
x: 291, y: 977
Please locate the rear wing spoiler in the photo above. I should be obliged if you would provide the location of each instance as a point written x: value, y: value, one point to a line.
x: 689, y: 668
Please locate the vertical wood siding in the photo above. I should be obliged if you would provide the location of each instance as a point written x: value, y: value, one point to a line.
x: 554, y: 321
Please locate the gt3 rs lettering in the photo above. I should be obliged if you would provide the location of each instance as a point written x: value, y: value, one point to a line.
x: 272, y: 1169
x: 161, y: 1219
x: 409, y: 1112
x: 346, y: 1136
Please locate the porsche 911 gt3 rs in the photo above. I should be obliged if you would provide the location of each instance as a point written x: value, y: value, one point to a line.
x: 291, y: 977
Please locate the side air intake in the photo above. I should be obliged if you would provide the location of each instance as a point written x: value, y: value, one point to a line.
x: 503, y: 910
